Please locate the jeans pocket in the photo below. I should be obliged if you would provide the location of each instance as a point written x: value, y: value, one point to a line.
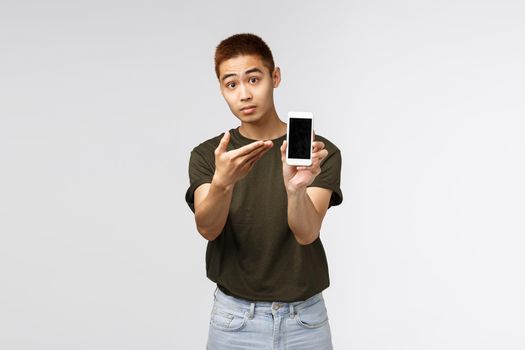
x: 227, y: 320
x: 312, y: 316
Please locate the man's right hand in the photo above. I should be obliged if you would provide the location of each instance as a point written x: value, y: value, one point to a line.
x: 231, y: 166
x: 212, y: 201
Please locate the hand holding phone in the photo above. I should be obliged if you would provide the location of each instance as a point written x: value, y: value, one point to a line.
x: 299, y: 138
x: 301, y: 156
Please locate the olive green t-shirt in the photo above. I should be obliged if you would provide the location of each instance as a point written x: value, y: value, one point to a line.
x: 256, y: 256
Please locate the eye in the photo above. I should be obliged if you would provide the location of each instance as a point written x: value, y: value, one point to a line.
x: 230, y: 83
x: 257, y: 79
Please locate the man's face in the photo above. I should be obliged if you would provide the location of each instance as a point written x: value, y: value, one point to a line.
x: 245, y: 81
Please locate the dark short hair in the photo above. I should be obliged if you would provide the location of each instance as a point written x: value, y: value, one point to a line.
x: 243, y: 44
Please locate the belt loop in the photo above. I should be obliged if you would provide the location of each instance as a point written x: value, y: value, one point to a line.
x: 252, y: 310
x: 292, y: 311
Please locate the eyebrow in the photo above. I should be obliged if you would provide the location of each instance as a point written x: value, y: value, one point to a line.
x: 247, y: 72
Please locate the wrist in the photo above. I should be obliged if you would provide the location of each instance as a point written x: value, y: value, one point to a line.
x: 296, y: 191
x: 218, y: 182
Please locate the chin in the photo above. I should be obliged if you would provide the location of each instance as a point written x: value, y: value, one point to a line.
x: 251, y: 120
x: 248, y: 118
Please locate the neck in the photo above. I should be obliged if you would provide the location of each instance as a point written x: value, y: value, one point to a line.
x: 267, y: 128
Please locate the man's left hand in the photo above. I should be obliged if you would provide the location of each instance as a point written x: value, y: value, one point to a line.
x: 297, y: 178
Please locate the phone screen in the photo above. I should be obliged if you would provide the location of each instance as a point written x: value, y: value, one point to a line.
x: 300, y: 138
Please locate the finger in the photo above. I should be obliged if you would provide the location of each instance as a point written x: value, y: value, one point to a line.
x: 316, y: 161
x: 309, y: 168
x: 318, y: 145
x: 223, y: 144
x: 283, y: 150
x: 248, y: 148
x: 320, y: 155
x: 315, y: 164
x: 324, y: 154
x: 250, y: 162
x: 257, y: 153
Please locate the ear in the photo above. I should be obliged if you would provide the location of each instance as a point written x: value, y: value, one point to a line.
x: 276, y: 77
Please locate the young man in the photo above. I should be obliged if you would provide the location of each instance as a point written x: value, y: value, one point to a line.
x: 262, y: 217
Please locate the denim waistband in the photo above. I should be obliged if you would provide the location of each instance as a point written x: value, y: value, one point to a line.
x: 242, y: 305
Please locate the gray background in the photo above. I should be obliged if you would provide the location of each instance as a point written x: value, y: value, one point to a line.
x: 102, y: 101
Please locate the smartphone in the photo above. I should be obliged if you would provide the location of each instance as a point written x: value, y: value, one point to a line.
x: 299, y: 138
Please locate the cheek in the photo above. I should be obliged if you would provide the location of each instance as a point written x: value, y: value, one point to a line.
x: 267, y: 94
x: 229, y: 98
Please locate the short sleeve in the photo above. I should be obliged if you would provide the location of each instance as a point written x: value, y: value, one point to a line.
x: 200, y: 170
x: 330, y: 176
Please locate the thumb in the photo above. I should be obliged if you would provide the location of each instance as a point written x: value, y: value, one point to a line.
x: 223, y: 144
x: 283, y: 151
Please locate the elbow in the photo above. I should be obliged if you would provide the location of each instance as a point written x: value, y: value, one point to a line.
x: 206, y: 231
x: 301, y: 242
x: 207, y: 234
x: 305, y: 233
x: 304, y: 242
x: 306, y: 239
x: 202, y: 229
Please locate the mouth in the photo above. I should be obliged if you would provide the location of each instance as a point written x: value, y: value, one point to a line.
x: 248, y: 109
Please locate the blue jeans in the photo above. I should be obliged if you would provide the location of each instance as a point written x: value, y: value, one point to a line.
x: 242, y: 324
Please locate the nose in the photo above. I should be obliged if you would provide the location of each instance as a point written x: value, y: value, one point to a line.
x: 245, y: 93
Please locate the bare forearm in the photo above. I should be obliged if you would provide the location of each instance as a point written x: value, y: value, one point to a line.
x: 303, y: 218
x: 213, y: 211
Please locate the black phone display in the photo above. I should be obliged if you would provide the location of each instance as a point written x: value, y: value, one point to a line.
x: 300, y: 138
